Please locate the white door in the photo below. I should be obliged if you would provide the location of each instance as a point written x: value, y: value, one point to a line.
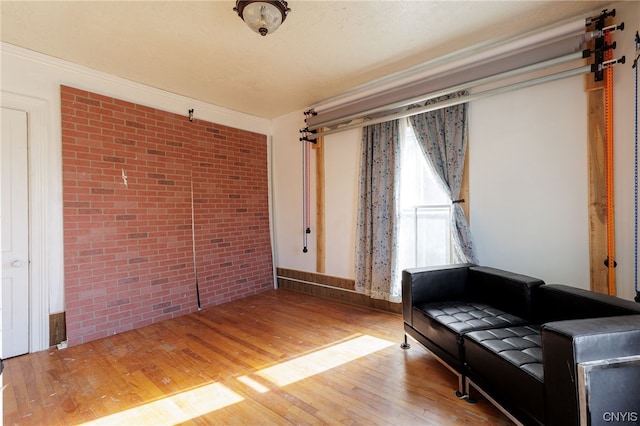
x: 15, y: 234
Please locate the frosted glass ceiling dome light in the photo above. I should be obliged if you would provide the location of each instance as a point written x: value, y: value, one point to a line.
x: 263, y: 17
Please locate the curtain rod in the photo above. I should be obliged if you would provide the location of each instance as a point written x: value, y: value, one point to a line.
x: 506, y: 62
x: 462, y: 57
x: 456, y: 88
x: 456, y: 101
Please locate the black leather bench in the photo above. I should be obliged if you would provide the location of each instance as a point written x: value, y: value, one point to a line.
x: 441, y: 305
x: 517, y: 340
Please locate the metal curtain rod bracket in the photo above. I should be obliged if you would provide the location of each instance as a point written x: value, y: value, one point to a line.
x: 603, y: 15
x: 600, y: 46
x: 599, y: 33
x: 588, y: 52
x: 306, y: 133
x: 606, y: 64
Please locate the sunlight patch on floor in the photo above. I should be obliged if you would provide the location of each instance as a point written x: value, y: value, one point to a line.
x: 197, y: 402
x: 174, y: 409
x: 253, y: 384
x: 322, y: 360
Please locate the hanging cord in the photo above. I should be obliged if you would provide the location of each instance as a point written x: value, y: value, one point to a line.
x: 635, y: 257
x: 608, y: 108
x: 306, y: 180
x: 308, y: 188
x: 193, y: 240
x: 306, y: 194
x: 193, y: 231
x: 304, y: 197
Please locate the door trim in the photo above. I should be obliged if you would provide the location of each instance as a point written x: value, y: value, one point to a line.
x: 39, y: 173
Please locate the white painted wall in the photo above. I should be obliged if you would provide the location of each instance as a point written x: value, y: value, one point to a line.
x: 518, y: 168
x: 342, y: 157
x: 551, y: 240
x: 528, y: 160
x: 342, y: 164
x: 287, y: 195
x: 528, y: 181
x: 32, y: 75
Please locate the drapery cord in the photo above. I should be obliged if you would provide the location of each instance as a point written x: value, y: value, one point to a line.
x: 193, y: 240
x: 306, y: 196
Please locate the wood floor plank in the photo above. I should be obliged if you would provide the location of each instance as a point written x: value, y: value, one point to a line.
x: 279, y: 357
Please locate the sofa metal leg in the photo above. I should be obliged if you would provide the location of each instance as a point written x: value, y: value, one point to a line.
x: 461, y: 393
x: 405, y: 344
x: 466, y: 396
x: 470, y: 398
x: 464, y: 390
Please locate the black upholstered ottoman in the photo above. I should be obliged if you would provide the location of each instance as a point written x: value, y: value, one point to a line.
x: 508, y: 363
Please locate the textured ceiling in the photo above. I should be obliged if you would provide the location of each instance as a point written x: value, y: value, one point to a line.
x: 201, y: 49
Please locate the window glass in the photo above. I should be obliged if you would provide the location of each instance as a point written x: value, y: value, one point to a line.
x: 425, y: 219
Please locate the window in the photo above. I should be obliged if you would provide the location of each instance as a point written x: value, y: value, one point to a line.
x: 425, y: 209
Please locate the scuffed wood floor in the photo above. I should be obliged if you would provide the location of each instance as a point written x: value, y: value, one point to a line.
x: 279, y: 357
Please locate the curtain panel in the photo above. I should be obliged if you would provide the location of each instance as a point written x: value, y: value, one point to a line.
x: 442, y: 136
x: 377, y: 229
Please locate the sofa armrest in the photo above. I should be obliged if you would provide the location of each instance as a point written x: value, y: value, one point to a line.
x: 508, y: 291
x: 567, y: 343
x: 556, y: 302
x: 430, y: 284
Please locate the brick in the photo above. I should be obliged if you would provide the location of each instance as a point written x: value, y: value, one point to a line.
x: 128, y: 248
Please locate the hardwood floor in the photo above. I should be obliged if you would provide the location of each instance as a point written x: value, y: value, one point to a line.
x: 279, y: 357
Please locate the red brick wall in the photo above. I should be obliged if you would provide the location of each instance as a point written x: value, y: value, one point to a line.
x: 129, y: 173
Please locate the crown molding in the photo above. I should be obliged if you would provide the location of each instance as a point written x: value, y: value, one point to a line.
x: 127, y: 90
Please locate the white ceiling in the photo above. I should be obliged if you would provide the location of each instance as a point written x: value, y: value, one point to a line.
x: 201, y: 49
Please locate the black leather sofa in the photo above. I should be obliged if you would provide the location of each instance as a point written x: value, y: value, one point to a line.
x: 517, y: 340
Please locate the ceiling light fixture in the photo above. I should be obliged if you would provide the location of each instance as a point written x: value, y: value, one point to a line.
x: 263, y: 17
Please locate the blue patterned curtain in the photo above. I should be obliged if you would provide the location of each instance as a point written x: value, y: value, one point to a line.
x: 377, y: 229
x: 442, y: 135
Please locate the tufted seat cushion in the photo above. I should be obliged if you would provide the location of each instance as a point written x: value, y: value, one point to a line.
x: 445, y: 322
x: 521, y: 346
x: 462, y: 316
x: 508, y: 363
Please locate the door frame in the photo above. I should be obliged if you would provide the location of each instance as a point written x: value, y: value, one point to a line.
x: 39, y: 172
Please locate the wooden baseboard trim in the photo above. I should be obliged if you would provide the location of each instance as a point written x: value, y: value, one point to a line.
x: 335, y: 288
x: 314, y: 284
x: 57, y: 328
